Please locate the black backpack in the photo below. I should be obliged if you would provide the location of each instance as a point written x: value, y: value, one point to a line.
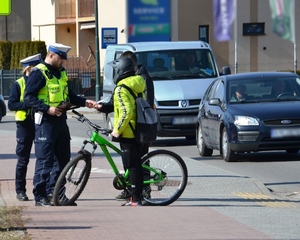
x: 146, y: 119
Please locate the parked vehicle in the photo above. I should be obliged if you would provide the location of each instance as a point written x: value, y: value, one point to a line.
x: 178, y: 86
x: 2, y: 107
x: 262, y: 120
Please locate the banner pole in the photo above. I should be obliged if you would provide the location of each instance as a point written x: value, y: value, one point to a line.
x: 235, y: 38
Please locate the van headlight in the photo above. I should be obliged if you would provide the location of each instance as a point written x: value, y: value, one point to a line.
x: 245, y: 121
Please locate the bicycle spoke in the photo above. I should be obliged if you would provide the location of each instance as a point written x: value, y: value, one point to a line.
x: 169, y: 177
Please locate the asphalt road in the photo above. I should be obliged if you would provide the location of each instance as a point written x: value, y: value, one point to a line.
x: 277, y: 170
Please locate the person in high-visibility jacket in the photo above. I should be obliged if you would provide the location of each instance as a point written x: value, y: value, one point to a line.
x: 46, y: 88
x: 25, y: 125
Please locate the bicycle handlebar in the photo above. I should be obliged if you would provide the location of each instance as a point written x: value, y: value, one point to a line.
x: 83, y: 119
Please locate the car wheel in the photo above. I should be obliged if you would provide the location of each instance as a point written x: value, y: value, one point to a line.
x: 202, y: 149
x: 0, y: 117
x: 292, y: 150
x: 227, y: 154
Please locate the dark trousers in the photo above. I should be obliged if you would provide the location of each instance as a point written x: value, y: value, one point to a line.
x: 25, y: 137
x: 131, y: 158
x: 52, y: 150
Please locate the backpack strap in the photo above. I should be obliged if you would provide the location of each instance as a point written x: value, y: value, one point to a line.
x: 129, y: 90
x: 134, y: 96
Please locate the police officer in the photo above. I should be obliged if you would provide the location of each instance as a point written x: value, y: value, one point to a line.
x: 46, y: 88
x: 25, y: 125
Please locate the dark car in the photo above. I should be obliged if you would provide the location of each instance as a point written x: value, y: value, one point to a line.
x: 2, y: 107
x: 263, y: 116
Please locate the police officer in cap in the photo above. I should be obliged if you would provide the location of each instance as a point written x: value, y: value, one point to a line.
x: 46, y: 88
x: 25, y: 125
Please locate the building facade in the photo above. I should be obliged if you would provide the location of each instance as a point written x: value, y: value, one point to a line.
x: 72, y: 22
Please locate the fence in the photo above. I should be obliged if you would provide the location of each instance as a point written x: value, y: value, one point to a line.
x: 82, y: 82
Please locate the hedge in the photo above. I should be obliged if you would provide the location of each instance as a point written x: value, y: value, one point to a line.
x: 12, y: 53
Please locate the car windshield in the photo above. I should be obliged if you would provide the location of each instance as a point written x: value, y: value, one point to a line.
x: 178, y: 64
x: 263, y: 90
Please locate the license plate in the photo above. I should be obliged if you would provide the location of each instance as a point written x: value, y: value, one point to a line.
x: 285, y: 132
x: 184, y: 120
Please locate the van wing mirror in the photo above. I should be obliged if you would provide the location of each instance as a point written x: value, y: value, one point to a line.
x: 226, y: 70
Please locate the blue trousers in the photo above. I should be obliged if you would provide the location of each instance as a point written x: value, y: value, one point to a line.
x: 52, y: 150
x: 25, y: 137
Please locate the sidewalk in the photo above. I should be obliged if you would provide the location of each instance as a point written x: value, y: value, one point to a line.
x: 216, y: 204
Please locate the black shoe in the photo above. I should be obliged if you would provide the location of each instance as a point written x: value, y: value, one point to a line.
x: 44, y: 202
x: 22, y: 196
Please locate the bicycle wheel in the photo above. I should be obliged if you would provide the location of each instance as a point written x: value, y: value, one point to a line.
x: 174, y: 181
x: 72, y: 180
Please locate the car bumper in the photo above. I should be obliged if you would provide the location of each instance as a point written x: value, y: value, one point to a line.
x: 176, y: 123
x: 255, y: 141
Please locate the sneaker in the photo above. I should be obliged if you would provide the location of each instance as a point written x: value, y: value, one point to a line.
x: 132, y: 204
x: 123, y: 196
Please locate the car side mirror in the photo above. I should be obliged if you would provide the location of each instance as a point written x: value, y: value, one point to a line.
x: 215, y: 102
x: 226, y: 70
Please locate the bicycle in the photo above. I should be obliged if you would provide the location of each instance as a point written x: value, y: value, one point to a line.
x: 165, y: 183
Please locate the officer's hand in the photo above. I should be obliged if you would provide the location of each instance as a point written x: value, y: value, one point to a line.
x: 53, y: 111
x: 90, y: 103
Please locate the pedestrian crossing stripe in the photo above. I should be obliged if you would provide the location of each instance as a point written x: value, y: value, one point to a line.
x: 264, y: 200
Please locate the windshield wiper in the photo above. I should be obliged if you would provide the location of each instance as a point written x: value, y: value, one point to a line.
x: 160, y: 78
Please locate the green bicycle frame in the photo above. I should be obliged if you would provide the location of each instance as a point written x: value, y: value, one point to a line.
x: 104, y: 143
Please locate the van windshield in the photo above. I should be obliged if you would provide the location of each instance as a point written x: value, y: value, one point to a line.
x: 178, y: 64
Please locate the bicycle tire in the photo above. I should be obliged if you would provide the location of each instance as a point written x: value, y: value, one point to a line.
x: 78, y: 168
x: 172, y: 186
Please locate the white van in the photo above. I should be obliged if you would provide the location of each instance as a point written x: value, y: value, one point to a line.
x: 178, y: 87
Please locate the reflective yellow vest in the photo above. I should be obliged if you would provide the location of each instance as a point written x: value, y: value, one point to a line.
x: 20, y: 115
x: 55, y: 90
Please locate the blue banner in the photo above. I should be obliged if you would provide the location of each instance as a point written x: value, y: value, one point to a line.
x: 224, y: 11
x: 148, y: 20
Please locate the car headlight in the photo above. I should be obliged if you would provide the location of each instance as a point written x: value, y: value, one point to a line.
x: 245, y: 121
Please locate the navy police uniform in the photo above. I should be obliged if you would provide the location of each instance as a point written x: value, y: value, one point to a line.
x: 52, y: 136
x: 25, y: 127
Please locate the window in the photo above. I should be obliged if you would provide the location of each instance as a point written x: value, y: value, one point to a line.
x: 203, y: 33
x: 253, y: 29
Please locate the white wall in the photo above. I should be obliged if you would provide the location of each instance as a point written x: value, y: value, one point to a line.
x: 112, y: 14
x: 43, y: 13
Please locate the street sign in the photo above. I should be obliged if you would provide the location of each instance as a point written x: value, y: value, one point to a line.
x: 5, y: 7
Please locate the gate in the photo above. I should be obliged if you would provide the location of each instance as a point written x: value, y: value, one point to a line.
x: 82, y: 82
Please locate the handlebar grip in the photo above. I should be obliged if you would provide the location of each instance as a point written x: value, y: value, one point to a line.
x: 75, y: 112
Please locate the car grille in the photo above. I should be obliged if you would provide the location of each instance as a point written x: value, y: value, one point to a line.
x: 277, y: 122
x: 194, y: 102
